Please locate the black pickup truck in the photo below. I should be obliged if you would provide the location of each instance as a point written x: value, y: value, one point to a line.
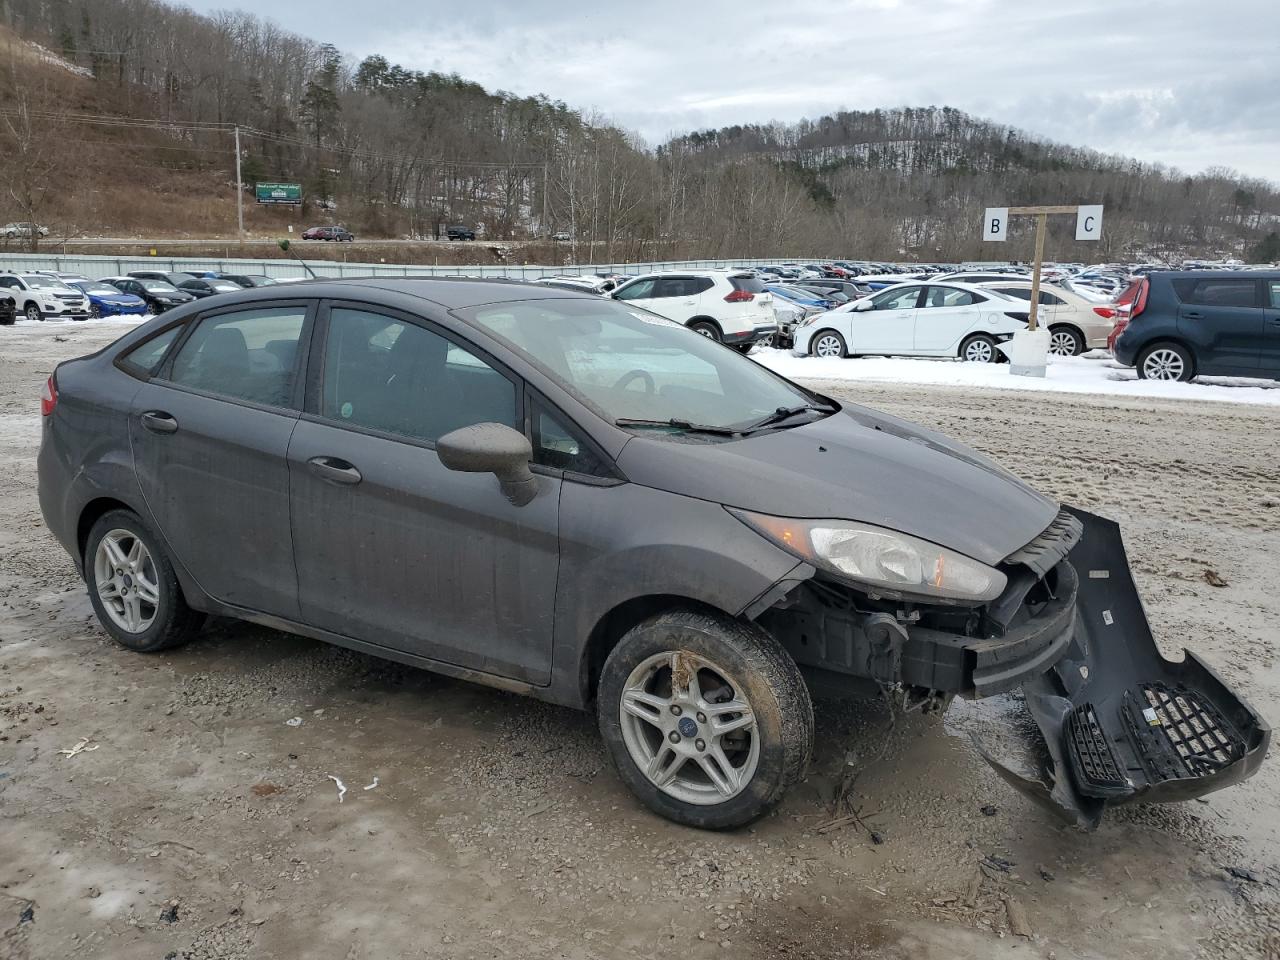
x: 458, y: 232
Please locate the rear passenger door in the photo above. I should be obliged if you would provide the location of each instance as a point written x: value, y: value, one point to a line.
x: 945, y: 315
x: 209, y: 433
x: 1223, y: 318
x: 1270, y: 360
x: 675, y: 298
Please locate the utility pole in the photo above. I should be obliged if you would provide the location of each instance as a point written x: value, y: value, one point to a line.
x: 239, y: 191
x: 545, y: 185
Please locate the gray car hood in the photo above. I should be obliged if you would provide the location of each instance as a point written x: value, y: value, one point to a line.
x: 855, y: 465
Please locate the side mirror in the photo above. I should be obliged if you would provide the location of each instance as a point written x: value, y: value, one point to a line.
x: 863, y: 305
x: 492, y: 448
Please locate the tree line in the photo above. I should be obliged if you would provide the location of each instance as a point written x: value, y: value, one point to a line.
x: 402, y: 152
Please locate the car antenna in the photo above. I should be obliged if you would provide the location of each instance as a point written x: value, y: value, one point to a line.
x: 284, y: 245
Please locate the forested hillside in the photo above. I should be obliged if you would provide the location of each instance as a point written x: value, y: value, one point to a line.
x: 396, y: 152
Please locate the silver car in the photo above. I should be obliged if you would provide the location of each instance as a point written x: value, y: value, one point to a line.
x: 569, y: 497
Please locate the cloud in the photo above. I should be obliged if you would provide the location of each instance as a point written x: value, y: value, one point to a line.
x: 1190, y: 84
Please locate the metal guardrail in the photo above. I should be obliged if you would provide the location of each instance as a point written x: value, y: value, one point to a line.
x: 107, y: 266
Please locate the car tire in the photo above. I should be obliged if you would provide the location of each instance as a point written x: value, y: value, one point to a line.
x: 980, y: 348
x: 828, y: 343
x: 33, y: 313
x: 147, y: 619
x: 706, y: 328
x: 743, y: 348
x: 1065, y: 341
x: 1166, y: 361
x: 95, y: 311
x: 714, y: 781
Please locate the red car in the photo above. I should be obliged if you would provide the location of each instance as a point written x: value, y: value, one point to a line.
x: 1127, y: 306
x: 328, y: 233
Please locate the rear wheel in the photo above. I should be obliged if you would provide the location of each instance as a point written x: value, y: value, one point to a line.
x: 706, y: 719
x: 1065, y: 342
x: 743, y: 347
x: 980, y: 348
x: 1166, y: 361
x: 132, y: 585
x: 705, y: 328
x: 828, y: 343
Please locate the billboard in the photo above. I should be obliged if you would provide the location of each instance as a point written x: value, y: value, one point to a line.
x: 278, y: 193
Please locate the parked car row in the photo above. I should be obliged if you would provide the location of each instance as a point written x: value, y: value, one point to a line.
x: 56, y: 295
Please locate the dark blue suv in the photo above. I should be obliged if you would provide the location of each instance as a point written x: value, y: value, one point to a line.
x: 1193, y: 323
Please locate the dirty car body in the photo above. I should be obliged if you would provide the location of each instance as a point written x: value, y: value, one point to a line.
x: 579, y: 500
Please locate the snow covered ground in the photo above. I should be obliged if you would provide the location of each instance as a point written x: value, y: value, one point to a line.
x: 1095, y: 372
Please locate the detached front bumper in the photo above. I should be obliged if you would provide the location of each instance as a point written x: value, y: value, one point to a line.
x: 1117, y: 722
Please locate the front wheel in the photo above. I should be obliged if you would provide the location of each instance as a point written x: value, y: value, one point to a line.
x: 1166, y: 361
x: 707, y: 720
x: 980, y: 348
x: 828, y: 343
x: 33, y: 313
x: 132, y: 585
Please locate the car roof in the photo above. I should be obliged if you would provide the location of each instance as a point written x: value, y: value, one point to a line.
x: 449, y: 292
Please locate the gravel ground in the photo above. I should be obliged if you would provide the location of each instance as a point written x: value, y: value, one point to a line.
x: 199, y: 824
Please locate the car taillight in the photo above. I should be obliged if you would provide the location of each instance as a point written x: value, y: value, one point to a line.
x: 48, y: 397
x: 1140, y: 300
x: 1106, y: 313
x: 740, y: 296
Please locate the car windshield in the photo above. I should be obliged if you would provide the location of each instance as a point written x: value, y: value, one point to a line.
x: 99, y: 289
x: 37, y: 282
x: 631, y: 365
x: 158, y: 286
x: 224, y: 286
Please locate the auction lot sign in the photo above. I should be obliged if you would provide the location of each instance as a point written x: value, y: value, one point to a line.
x: 278, y: 193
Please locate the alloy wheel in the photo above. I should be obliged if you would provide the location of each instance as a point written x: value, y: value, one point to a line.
x: 1062, y: 344
x: 1163, y: 364
x: 126, y: 580
x: 828, y: 345
x: 689, y: 728
x: 979, y: 351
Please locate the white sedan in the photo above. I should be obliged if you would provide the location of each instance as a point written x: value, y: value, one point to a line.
x: 916, y: 319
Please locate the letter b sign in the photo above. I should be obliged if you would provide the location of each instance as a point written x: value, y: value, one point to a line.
x: 995, y: 223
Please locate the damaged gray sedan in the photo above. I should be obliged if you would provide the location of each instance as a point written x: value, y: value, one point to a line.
x: 580, y: 501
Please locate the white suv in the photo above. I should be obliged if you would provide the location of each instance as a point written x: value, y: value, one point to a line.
x: 41, y: 297
x: 731, y: 306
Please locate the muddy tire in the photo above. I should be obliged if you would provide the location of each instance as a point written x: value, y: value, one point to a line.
x: 133, y: 588
x: 707, y: 720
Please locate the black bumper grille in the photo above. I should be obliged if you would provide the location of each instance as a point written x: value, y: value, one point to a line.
x: 1092, y: 760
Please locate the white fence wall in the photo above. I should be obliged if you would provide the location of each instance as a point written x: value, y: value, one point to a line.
x: 98, y: 266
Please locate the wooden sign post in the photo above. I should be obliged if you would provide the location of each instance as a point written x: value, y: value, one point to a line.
x: 995, y: 227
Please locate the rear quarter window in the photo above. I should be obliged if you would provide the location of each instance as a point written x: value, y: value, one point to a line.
x: 1217, y: 293
x: 749, y: 284
x: 147, y: 357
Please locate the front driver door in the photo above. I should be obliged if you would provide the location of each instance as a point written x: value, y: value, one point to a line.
x: 391, y: 547
x: 890, y: 326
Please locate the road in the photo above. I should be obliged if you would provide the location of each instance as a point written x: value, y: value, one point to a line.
x: 497, y: 829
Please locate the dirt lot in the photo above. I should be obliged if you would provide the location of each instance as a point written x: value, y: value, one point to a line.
x: 198, y: 823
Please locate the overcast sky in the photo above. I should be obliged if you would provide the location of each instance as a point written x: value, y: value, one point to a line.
x: 1187, y: 83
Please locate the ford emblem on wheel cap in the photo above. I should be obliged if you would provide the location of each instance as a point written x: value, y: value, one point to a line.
x: 688, y: 726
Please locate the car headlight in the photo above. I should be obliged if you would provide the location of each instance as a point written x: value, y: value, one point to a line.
x: 886, y: 561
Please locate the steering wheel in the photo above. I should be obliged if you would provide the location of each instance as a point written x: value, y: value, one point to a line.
x: 625, y: 380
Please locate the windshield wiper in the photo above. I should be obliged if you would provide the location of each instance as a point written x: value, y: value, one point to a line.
x: 786, y: 413
x: 680, y: 425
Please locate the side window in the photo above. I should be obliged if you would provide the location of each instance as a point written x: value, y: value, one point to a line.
x: 703, y: 284
x: 249, y: 355
x: 640, y: 290
x: 1218, y: 293
x: 9, y: 282
x: 1050, y: 299
x: 1275, y: 294
x: 672, y: 287
x: 1016, y: 292
x: 148, y: 356
x: 949, y: 297
x: 897, y: 299
x: 556, y: 445
x: 390, y: 375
